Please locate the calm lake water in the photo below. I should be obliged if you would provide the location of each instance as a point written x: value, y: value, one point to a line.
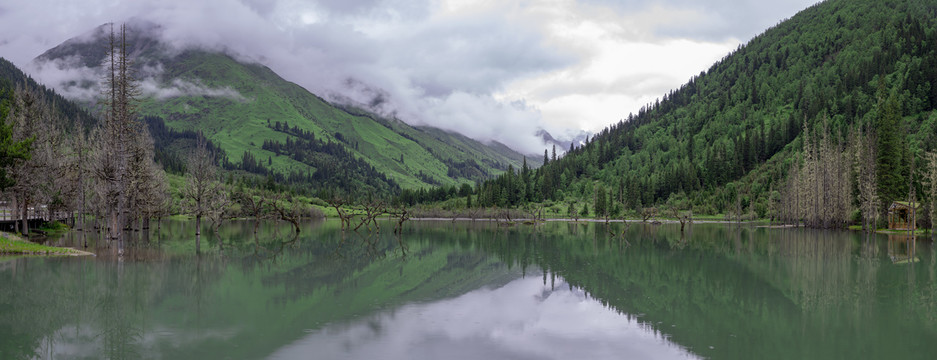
x: 448, y: 290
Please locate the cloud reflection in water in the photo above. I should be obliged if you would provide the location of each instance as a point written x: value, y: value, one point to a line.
x: 522, y: 320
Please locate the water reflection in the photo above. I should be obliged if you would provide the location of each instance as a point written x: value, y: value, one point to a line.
x: 902, y: 248
x: 524, y: 319
x: 443, y: 289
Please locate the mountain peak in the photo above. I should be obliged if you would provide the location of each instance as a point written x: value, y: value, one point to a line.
x: 563, y: 144
x: 249, y: 111
x: 90, y: 49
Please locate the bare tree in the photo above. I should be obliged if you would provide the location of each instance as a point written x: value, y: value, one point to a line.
x: 371, y: 212
x: 114, y: 136
x: 42, y: 181
x: 254, y: 205
x: 648, y: 213
x: 817, y: 191
x: 402, y: 215
x: 147, y: 180
x: 27, y: 114
x: 683, y: 217
x: 203, y: 193
x: 289, y: 209
x: 932, y: 179
x: 738, y: 204
x: 912, y: 195
x: 74, y: 171
x: 339, y: 203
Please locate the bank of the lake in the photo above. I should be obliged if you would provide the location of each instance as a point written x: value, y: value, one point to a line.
x: 11, y: 244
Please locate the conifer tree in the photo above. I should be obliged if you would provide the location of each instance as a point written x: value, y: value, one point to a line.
x: 12, y: 152
x: 891, y: 151
x: 601, y: 198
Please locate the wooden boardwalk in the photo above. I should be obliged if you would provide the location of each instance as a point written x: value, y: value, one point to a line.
x: 37, y: 216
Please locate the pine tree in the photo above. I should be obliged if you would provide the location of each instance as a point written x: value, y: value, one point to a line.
x: 12, y: 152
x: 601, y: 198
x: 891, y: 151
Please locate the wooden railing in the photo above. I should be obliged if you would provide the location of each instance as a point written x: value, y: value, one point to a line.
x: 34, y: 213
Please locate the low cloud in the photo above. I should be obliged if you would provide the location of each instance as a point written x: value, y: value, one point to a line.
x: 494, y: 70
x: 76, y: 81
x: 483, y: 117
x: 69, y: 78
x: 180, y: 87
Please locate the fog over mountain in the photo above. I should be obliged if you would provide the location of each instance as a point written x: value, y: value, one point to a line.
x: 493, y: 70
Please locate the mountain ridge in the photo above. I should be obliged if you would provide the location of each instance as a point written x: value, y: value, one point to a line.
x: 237, y: 104
x: 824, y: 84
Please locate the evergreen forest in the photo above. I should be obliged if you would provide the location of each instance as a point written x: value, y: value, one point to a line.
x: 826, y: 119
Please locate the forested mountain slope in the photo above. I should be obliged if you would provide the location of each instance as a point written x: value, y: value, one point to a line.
x: 11, y: 77
x: 268, y: 125
x: 726, y: 140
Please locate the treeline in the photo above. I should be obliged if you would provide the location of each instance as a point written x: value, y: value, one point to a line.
x: 331, y: 160
x: 169, y: 145
x: 104, y: 177
x: 12, y: 77
x: 336, y: 169
x: 56, y: 164
x: 730, y: 139
x: 467, y: 169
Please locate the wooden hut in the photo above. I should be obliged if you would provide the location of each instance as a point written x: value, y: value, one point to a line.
x: 902, y: 215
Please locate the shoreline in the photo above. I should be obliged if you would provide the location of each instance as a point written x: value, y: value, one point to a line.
x: 11, y: 244
x: 651, y: 222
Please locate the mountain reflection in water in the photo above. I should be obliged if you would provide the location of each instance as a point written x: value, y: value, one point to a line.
x: 524, y: 319
x: 462, y: 290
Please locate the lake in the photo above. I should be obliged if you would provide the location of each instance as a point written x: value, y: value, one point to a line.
x: 462, y: 290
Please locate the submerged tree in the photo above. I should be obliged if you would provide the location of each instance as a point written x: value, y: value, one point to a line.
x: 113, y: 138
x: 867, y: 177
x: 819, y: 186
x: 204, y: 195
x: 148, y: 181
x: 932, y: 179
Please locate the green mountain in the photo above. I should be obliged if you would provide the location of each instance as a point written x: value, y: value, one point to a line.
x: 726, y: 140
x: 12, y: 77
x: 268, y: 125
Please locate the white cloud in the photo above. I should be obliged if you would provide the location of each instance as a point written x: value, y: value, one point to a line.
x: 574, y: 64
x: 180, y: 87
x: 522, y: 320
x: 76, y: 81
x: 68, y: 77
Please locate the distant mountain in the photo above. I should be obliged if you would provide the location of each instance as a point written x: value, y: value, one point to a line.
x: 827, y: 80
x: 562, y: 146
x: 265, y: 123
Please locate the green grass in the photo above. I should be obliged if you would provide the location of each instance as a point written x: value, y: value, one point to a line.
x: 12, y: 244
x: 240, y: 125
x: 54, y: 228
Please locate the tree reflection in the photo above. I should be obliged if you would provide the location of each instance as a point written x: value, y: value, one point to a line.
x: 741, y: 290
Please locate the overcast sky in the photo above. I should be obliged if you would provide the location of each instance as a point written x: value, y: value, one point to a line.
x: 493, y: 70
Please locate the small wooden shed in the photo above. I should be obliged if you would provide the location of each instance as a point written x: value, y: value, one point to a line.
x: 902, y: 215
